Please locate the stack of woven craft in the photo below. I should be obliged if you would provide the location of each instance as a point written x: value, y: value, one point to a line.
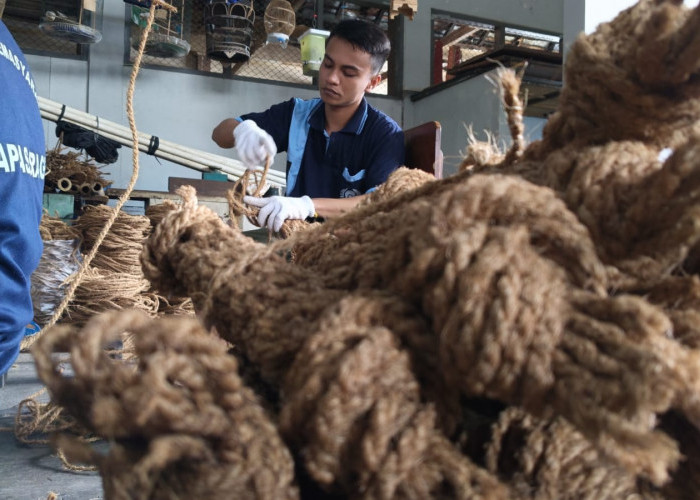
x: 524, y: 329
x: 67, y: 172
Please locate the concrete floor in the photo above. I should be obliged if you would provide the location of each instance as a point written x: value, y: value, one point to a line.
x: 32, y: 472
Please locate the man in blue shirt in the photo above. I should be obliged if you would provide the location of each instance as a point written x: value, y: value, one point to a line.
x: 339, y: 148
x: 22, y: 170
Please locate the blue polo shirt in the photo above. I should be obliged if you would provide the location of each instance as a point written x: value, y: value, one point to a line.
x: 22, y: 170
x: 347, y: 163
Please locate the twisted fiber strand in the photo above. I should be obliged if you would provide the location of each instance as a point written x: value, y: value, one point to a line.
x: 126, y: 262
x: 676, y: 48
x: 353, y: 409
x: 616, y: 370
x: 480, y: 155
x: 239, y: 285
x: 239, y: 290
x: 402, y: 179
x: 87, y: 260
x: 99, y: 284
x: 175, y: 306
x: 679, y: 296
x: 424, y: 267
x: 498, y: 309
x: 251, y: 183
x: 53, y: 228
x: 155, y: 213
x: 667, y: 211
x: 669, y: 369
x: 604, y: 182
x: 548, y: 459
x: 79, y: 314
x: 509, y: 84
x: 389, y: 247
x: 127, y: 230
x: 180, y: 422
x: 614, y: 91
x: 170, y: 305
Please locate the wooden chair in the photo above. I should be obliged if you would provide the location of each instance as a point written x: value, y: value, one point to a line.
x: 423, y: 149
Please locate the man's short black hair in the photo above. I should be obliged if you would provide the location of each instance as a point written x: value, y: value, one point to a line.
x: 367, y: 37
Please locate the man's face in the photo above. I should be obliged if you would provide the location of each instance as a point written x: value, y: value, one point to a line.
x: 345, y: 74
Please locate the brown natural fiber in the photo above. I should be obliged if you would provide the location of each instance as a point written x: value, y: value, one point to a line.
x: 101, y: 291
x: 401, y: 180
x: 509, y: 84
x: 619, y: 80
x: 493, y: 344
x: 179, y: 422
x: 54, y: 228
x: 686, y: 480
x: 253, y: 182
x: 400, y: 252
x: 156, y: 212
x: 62, y: 164
x: 480, y: 155
x: 350, y: 393
x: 563, y: 285
x: 119, y: 250
x: 547, y: 459
x: 197, y: 266
x: 625, y: 98
x: 406, y: 260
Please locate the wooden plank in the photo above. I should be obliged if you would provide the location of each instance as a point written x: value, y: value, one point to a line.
x: 423, y: 148
x: 151, y: 196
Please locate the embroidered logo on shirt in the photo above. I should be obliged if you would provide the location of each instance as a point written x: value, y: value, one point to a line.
x: 353, y: 178
x: 349, y: 193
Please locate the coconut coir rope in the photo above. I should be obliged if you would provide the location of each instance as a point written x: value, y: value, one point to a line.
x: 179, y: 420
x: 232, y: 288
x: 429, y: 267
x: 236, y: 308
x: 625, y: 99
x: 547, y: 459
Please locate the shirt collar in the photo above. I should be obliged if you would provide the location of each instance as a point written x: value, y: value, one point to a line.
x: 354, y: 126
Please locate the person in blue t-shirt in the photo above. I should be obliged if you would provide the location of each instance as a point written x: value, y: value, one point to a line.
x: 339, y: 148
x: 22, y: 170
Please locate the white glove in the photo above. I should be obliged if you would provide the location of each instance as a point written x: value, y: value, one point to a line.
x: 276, y: 209
x: 253, y: 143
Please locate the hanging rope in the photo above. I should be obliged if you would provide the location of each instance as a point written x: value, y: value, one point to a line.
x: 87, y: 259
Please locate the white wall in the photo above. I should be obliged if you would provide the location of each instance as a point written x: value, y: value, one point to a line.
x: 472, y: 103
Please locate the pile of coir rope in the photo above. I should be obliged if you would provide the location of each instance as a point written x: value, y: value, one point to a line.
x: 491, y: 335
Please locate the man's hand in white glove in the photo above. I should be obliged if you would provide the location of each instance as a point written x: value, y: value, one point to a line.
x: 253, y: 143
x: 276, y: 209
